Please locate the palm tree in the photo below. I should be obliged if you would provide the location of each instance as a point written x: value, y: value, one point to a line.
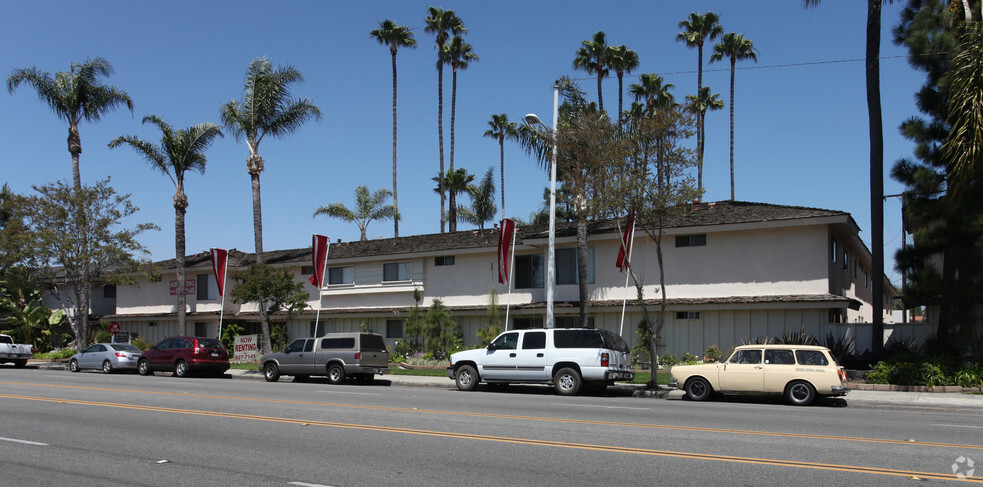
x: 459, y: 55
x: 593, y: 57
x: 266, y: 108
x: 394, y: 36
x: 700, y: 105
x: 736, y: 48
x: 368, y: 207
x: 455, y: 182
x: 482, y: 208
x: 655, y: 93
x: 622, y: 60
x: 697, y: 29
x: 179, y: 151
x: 443, y: 23
x: 501, y: 129
x: 74, y: 96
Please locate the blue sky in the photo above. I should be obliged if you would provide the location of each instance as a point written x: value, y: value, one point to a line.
x: 801, y: 114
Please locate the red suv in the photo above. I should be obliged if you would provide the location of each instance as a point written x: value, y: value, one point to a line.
x: 185, y: 355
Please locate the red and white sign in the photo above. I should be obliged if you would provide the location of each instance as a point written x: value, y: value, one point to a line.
x: 190, y: 287
x: 114, y: 328
x: 246, y: 348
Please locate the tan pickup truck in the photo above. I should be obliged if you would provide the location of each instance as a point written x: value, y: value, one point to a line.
x: 335, y: 355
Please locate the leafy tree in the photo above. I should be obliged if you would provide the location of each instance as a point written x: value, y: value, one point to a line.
x: 501, y: 129
x: 179, y: 151
x: 459, y: 55
x: 13, y: 232
x: 74, y: 96
x: 622, y: 60
x: 444, y: 24
x: 368, y: 207
x: 75, y: 255
x: 455, y: 182
x: 266, y: 108
x: 25, y: 311
x: 443, y: 336
x: 482, y: 208
x: 593, y: 57
x: 394, y: 36
x: 700, y: 105
x: 736, y: 48
x: 273, y: 289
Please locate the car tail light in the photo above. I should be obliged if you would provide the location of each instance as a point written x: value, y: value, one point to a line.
x: 605, y: 359
x: 358, y: 355
x: 842, y: 374
x: 121, y: 354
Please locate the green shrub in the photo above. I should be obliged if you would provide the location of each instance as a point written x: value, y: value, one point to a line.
x: 56, y: 354
x: 690, y: 359
x: 712, y: 353
x: 668, y: 360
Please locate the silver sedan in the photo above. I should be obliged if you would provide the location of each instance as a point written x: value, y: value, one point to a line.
x: 106, y: 356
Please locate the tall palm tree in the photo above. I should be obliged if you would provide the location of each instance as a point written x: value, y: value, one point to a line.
x: 654, y: 91
x: 876, y: 130
x: 622, y: 60
x: 266, y: 108
x: 700, y: 105
x: 482, y: 208
x: 179, y: 151
x: 368, y: 207
x: 736, y: 48
x: 459, y: 55
x: 501, y: 129
x: 442, y: 23
x: 593, y: 57
x: 74, y: 96
x: 455, y: 183
x: 394, y: 36
x: 697, y: 29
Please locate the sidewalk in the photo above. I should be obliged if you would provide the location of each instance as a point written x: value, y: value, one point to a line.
x: 857, y: 398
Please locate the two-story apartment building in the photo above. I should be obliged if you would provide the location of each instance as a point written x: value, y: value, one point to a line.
x: 733, y: 271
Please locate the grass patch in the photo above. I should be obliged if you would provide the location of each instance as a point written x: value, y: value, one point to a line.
x: 245, y: 366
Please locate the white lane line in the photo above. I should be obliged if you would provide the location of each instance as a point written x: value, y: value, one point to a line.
x: 305, y: 484
x: 15, y: 440
x: 959, y: 426
x: 602, y: 407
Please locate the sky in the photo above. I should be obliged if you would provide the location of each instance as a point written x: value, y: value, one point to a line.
x: 800, y: 111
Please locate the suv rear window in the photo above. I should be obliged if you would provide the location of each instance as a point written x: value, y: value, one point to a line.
x: 589, y: 339
x: 209, y: 343
x: 373, y: 342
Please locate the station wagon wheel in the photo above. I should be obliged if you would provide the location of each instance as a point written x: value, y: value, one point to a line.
x: 271, y: 372
x: 698, y: 389
x: 143, y: 367
x: 800, y: 393
x: 567, y: 382
x: 336, y: 374
x: 74, y: 365
x: 181, y: 369
x: 466, y: 378
x: 107, y: 368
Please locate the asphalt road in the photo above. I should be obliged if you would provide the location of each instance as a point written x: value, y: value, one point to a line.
x: 87, y: 429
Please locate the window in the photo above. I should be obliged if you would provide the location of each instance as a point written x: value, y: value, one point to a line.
x: 341, y: 275
x: 109, y: 291
x: 527, y: 323
x: 699, y: 240
x: 572, y: 322
x: 201, y: 329
x: 836, y: 316
x: 443, y: 260
x: 534, y: 340
x: 846, y: 259
x: 687, y: 315
x: 394, y: 328
x: 348, y: 342
x: 832, y: 249
x: 307, y: 270
x: 296, y: 346
x: 204, y: 290
x: 508, y: 341
x: 566, y: 266
x: 746, y: 357
x: 152, y: 323
x: 396, y: 271
x: 811, y: 357
x: 866, y: 279
x: 779, y: 357
x: 528, y: 271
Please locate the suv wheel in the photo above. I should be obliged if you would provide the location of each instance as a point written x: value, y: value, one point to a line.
x: 466, y: 378
x: 271, y: 372
x: 567, y: 382
x: 143, y: 367
x: 181, y: 369
x: 336, y: 374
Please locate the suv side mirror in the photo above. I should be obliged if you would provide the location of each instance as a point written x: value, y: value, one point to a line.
x: 491, y: 346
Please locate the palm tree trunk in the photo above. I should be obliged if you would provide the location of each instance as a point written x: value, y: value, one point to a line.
x: 582, y: 267
x: 395, y: 199
x: 82, y: 307
x: 440, y: 139
x: 600, y: 97
x: 699, y: 122
x: 501, y: 172
x: 876, y: 170
x: 179, y: 250
x: 621, y: 107
x: 452, y: 197
x: 733, y: 66
x: 257, y: 218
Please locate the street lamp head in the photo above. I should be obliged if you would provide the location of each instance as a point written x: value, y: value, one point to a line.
x: 532, y: 119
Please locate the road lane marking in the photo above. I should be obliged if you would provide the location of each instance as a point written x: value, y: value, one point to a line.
x: 305, y: 484
x: 959, y: 426
x: 522, y: 441
x: 516, y: 417
x: 26, y: 442
x: 600, y: 406
x: 345, y: 393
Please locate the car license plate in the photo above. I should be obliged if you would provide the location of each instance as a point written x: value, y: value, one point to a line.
x: 214, y: 354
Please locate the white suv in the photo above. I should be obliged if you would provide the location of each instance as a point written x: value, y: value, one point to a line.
x: 568, y: 358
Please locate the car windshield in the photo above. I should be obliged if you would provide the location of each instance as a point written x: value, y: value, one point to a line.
x: 125, y: 347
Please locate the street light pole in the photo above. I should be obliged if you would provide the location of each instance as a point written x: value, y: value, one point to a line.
x: 551, y: 252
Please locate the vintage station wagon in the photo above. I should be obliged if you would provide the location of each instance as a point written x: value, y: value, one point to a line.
x: 799, y: 372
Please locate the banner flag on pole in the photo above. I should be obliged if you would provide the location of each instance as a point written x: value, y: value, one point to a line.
x: 319, y: 247
x: 626, y: 239
x: 504, y: 244
x: 220, y: 258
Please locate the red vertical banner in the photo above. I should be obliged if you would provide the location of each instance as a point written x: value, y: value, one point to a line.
x: 504, y: 245
x: 319, y: 253
x: 626, y: 241
x: 220, y: 258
